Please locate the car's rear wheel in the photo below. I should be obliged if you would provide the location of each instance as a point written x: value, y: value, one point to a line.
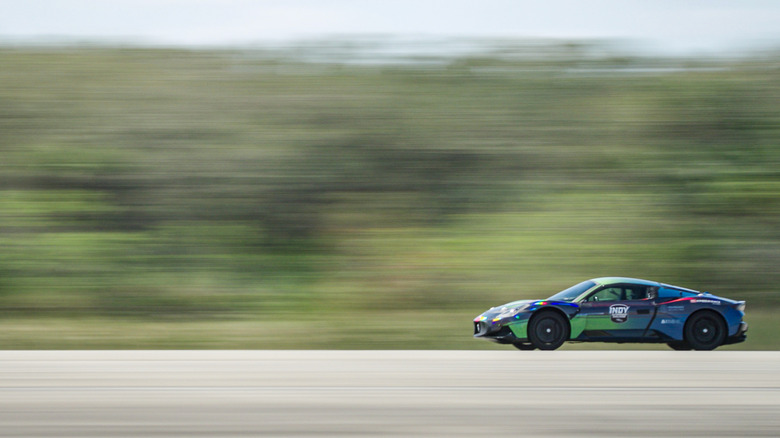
x: 548, y: 330
x: 705, y: 330
x: 679, y: 346
x: 524, y: 346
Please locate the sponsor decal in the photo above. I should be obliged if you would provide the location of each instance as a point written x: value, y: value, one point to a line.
x: 671, y: 321
x: 618, y: 313
x: 705, y: 301
x: 675, y: 308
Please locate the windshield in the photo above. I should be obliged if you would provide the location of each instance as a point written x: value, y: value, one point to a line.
x: 573, y: 292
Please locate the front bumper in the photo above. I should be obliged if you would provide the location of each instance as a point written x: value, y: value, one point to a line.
x: 503, y: 334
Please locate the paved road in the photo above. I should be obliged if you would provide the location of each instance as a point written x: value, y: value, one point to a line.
x: 389, y: 393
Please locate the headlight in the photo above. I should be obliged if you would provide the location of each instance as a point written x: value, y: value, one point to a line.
x: 509, y: 313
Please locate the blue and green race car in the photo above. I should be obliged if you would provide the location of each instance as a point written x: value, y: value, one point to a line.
x: 617, y: 309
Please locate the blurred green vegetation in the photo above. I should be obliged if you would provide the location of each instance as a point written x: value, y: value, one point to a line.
x: 160, y: 198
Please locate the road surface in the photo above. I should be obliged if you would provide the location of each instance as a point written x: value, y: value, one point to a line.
x: 389, y: 393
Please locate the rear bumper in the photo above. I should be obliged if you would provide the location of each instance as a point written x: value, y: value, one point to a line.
x: 740, y: 336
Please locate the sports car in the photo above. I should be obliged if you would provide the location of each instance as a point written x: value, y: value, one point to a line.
x: 617, y: 309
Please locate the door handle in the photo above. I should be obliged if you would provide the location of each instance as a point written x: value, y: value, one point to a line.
x: 643, y: 311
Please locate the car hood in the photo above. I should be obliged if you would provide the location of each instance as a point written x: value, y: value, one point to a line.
x: 498, y: 310
x: 513, y: 304
x: 531, y: 305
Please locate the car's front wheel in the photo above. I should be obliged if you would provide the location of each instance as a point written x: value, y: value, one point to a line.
x: 548, y: 330
x: 705, y: 330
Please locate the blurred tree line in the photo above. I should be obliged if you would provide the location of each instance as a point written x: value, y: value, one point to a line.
x: 160, y: 183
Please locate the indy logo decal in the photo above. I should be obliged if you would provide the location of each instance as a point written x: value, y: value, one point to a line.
x: 618, y: 313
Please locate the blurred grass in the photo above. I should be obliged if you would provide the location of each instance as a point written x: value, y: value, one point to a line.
x: 417, y: 329
x: 156, y: 198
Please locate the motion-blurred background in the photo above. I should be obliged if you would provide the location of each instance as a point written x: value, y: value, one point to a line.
x: 370, y: 192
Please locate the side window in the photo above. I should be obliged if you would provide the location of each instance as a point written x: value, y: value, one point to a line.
x: 607, y: 294
x: 635, y: 292
x: 620, y: 292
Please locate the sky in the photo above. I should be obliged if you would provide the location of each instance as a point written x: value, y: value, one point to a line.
x: 675, y: 26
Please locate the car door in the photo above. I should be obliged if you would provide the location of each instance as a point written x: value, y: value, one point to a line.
x: 617, y: 311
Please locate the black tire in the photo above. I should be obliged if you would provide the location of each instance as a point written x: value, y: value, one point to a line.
x: 679, y: 346
x: 548, y: 330
x: 705, y: 330
x: 524, y: 346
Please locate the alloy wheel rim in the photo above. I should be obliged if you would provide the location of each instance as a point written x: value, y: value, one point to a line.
x: 705, y: 330
x: 548, y: 331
